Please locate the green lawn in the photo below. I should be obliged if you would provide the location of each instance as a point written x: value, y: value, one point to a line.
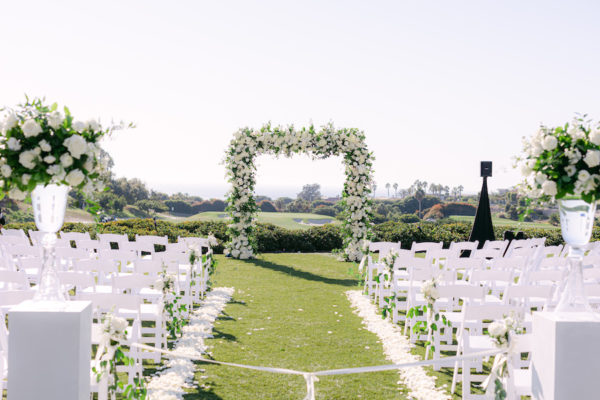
x: 284, y: 220
x: 291, y: 311
x: 506, y: 222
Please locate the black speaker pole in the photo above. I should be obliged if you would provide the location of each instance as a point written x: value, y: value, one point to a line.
x: 483, y: 229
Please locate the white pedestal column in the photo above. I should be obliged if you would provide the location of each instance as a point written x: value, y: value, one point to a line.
x: 49, y: 350
x: 566, y: 356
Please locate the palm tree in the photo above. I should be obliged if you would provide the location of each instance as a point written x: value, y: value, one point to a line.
x: 460, y: 190
x: 395, y: 190
x: 420, y: 195
x: 374, y: 188
x: 387, y: 186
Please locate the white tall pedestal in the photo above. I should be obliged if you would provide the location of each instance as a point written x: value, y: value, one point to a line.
x: 49, y: 351
x: 566, y: 356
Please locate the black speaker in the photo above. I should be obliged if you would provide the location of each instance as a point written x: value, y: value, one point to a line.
x: 486, y: 168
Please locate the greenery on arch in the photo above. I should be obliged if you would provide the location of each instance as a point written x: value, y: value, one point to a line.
x: 240, y: 160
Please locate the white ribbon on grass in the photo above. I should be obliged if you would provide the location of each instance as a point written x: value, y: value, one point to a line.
x: 312, y: 377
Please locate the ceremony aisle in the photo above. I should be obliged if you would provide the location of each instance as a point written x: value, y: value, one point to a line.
x: 291, y: 311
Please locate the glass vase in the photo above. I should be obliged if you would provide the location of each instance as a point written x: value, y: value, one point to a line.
x: 49, y: 203
x: 576, y: 223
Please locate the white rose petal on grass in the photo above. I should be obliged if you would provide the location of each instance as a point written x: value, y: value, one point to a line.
x: 31, y: 128
x: 76, y: 145
x: 75, y: 177
x: 6, y: 170
x: 549, y: 142
x: 16, y: 194
x: 592, y: 158
x: 13, y: 144
x: 549, y: 188
x: 55, y: 120
x: 66, y: 160
x: 27, y: 159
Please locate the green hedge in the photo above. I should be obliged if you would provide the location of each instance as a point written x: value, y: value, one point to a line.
x: 272, y: 238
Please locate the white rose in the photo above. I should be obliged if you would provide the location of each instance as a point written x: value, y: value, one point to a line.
x: 66, y: 160
x: 27, y: 159
x: 549, y: 188
x: 595, y: 137
x: 570, y: 170
x: 525, y: 170
x: 497, y: 329
x: 55, y: 120
x: 549, y: 142
x: 78, y: 126
x: 16, y: 194
x: 93, y: 125
x: 540, y: 178
x: 49, y: 159
x: 159, y: 285
x: 119, y: 324
x: 10, y: 122
x: 89, y: 164
x: 76, y: 145
x: 75, y: 177
x: 5, y: 170
x: 54, y: 170
x: 45, y: 146
x: 31, y: 128
x: 583, y: 175
x: 536, y: 151
x: 13, y: 144
x: 235, y: 253
x: 592, y: 158
x: 25, y: 178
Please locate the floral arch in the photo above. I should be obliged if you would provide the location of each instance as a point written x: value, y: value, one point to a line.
x: 240, y: 158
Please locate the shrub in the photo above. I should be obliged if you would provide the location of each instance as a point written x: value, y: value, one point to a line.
x: 326, y: 210
x: 272, y: 238
x: 179, y: 206
x: 147, y: 205
x: 266, y: 206
x: 408, y: 218
x: 443, y: 210
x: 208, y: 205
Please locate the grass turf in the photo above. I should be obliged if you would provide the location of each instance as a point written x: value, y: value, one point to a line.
x: 291, y: 311
x: 284, y: 220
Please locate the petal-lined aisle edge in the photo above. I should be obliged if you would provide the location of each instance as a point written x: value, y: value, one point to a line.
x: 397, y: 349
x: 170, y: 383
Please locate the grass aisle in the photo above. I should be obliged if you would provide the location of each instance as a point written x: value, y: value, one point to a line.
x: 291, y: 311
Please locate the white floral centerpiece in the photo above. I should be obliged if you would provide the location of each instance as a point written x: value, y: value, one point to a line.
x: 247, y: 144
x: 562, y: 161
x: 41, y: 145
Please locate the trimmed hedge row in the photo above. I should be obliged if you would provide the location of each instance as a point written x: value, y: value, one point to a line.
x: 272, y: 238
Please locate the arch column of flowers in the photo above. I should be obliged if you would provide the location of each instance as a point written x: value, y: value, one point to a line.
x: 240, y: 161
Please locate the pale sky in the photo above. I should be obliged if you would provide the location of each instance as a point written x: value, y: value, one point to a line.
x: 437, y: 86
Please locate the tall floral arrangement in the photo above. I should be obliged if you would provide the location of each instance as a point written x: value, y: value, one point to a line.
x: 328, y: 141
x: 562, y: 161
x: 42, y: 145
